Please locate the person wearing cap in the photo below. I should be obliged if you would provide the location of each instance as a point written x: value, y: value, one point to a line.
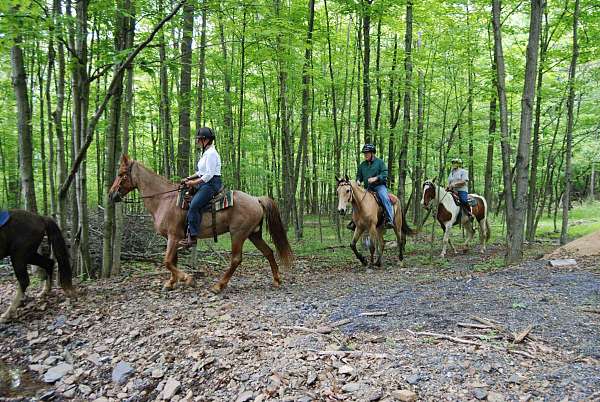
x: 458, y: 181
x: 373, y: 172
x: 206, y: 181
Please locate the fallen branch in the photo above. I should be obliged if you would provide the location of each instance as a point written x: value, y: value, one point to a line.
x: 523, y: 334
x: 348, y: 353
x: 470, y: 325
x: 340, y: 323
x: 91, y: 128
x: 373, y: 314
x: 591, y: 310
x: 446, y: 337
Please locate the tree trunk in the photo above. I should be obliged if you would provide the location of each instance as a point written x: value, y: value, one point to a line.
x: 57, y: 115
x: 569, y: 134
x: 19, y: 80
x: 403, y: 164
x: 515, y: 239
x: 165, y: 109
x: 418, y: 174
x: 366, y: 4
x: 505, y: 138
x: 238, y: 177
x: 185, y: 91
x: 228, y: 110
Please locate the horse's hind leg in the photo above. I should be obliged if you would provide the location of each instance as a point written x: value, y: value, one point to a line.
x: 483, y: 234
x: 237, y: 244
x: 264, y: 248
x: 20, y: 268
x: 47, y: 265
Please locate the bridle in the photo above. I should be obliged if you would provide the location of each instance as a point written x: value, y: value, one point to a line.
x: 436, y: 194
x: 352, y: 197
x: 124, y: 177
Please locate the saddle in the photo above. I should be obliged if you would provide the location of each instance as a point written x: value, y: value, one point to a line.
x: 4, y: 217
x: 470, y: 200
x: 221, y: 200
x: 393, y: 200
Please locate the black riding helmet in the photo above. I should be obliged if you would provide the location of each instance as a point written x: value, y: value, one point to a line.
x: 368, y: 148
x: 205, y: 132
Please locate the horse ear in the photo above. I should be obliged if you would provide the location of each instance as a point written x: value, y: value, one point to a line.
x: 124, y: 159
x: 347, y: 178
x: 434, y: 179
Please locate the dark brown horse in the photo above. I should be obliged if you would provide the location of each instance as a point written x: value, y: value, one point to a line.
x: 243, y: 221
x: 20, y: 238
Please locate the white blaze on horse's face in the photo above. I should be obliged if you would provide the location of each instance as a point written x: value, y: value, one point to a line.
x: 344, y: 196
x: 428, y: 188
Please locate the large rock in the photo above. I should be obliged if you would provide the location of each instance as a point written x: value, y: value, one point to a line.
x: 244, y: 396
x: 171, y: 388
x: 121, y: 371
x: 351, y: 387
x: 405, y: 395
x: 57, y: 372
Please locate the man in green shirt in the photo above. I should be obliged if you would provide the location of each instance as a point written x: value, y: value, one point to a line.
x: 372, y: 172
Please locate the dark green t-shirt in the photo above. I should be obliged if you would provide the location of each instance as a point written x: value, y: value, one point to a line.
x: 375, y: 168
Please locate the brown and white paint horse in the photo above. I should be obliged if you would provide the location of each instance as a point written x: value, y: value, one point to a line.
x: 366, y: 214
x: 448, y: 214
x: 244, y: 220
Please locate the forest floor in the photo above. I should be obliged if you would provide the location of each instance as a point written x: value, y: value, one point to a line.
x: 467, y: 328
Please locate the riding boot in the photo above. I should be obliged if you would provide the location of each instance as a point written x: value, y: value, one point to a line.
x: 351, y: 226
x: 188, y: 242
x: 388, y: 224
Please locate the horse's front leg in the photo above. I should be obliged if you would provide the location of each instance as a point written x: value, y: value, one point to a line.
x: 357, y: 233
x: 20, y: 268
x: 380, y: 246
x: 470, y: 233
x: 446, y: 240
x: 171, y: 264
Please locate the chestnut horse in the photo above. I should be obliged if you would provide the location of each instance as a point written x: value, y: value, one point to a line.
x: 366, y: 213
x: 449, y: 214
x: 243, y: 221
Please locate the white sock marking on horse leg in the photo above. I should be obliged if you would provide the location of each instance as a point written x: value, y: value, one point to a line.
x: 12, y: 309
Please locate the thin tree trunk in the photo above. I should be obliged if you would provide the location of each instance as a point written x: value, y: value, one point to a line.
x: 515, y: 239
x: 569, y: 134
x: 403, y: 163
x: 418, y: 174
x: 238, y: 179
x: 19, y: 79
x: 366, y: 4
x: 57, y: 115
x: 165, y: 109
x: 201, y: 68
x: 185, y: 91
x: 228, y: 110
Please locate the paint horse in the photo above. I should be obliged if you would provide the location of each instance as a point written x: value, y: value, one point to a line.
x: 21, y: 233
x: 243, y: 220
x: 367, y: 214
x: 450, y: 214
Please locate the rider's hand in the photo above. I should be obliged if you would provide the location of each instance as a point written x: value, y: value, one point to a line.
x: 183, y: 182
x: 372, y: 180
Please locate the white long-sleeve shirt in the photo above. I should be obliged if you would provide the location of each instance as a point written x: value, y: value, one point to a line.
x: 209, y: 164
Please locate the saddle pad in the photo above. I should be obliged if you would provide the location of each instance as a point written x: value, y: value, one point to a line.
x: 224, y: 200
x: 393, y: 199
x: 4, y: 217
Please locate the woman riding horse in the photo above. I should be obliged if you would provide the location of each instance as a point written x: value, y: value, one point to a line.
x: 206, y: 181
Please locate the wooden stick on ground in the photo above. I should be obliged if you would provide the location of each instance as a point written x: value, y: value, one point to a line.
x: 523, y: 334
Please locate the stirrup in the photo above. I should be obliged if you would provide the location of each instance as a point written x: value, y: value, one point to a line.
x: 188, y: 242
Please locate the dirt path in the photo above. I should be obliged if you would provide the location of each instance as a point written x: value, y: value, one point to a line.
x: 311, y: 340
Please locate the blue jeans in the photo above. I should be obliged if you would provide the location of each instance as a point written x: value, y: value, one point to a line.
x: 205, y: 193
x: 464, y: 198
x: 382, y: 192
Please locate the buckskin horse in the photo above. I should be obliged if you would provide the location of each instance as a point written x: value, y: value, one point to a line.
x: 450, y: 214
x: 243, y: 220
x: 20, y: 236
x: 366, y: 214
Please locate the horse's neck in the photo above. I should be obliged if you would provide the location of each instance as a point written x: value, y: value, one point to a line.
x: 358, y: 196
x: 445, y: 198
x: 150, y: 183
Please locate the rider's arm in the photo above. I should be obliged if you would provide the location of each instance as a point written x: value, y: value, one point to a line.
x: 383, y: 172
x: 212, y: 160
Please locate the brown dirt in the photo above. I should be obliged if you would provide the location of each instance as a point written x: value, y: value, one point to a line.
x: 586, y: 246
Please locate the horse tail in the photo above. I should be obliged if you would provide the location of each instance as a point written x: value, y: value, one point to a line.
x: 488, y: 231
x: 59, y: 248
x: 276, y: 230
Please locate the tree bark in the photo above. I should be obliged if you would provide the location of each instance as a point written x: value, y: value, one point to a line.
x: 569, y: 133
x: 19, y: 81
x: 201, y: 68
x: 418, y: 174
x: 366, y: 20
x: 403, y: 163
x: 515, y: 239
x: 185, y: 92
x: 227, y: 103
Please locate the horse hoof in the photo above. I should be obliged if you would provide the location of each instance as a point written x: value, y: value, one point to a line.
x: 216, y: 289
x: 168, y: 285
x: 189, y: 280
x: 276, y: 284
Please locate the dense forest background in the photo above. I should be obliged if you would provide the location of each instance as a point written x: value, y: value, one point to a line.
x: 293, y: 89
